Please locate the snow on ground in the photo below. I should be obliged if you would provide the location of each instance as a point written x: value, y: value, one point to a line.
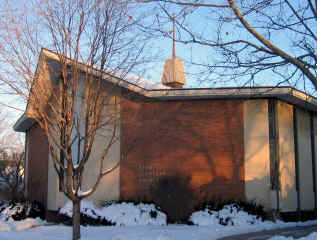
x: 312, y: 236
x: 20, y: 225
x: 170, y: 232
x: 150, y: 232
x: 140, y: 225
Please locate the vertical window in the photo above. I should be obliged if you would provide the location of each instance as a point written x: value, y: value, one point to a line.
x: 273, y: 140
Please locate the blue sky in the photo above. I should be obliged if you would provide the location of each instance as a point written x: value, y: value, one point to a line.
x: 204, y: 22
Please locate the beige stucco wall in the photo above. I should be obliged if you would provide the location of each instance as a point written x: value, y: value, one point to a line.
x: 257, y: 152
x: 53, y: 194
x: 304, y: 160
x: 109, y: 186
x: 287, y: 196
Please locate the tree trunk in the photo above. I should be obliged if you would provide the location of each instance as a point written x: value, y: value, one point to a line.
x: 76, y: 219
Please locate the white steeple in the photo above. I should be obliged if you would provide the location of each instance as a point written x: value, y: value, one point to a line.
x: 173, y: 73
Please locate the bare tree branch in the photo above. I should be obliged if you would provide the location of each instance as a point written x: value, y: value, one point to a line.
x: 248, y: 38
x: 194, y: 4
x: 68, y: 94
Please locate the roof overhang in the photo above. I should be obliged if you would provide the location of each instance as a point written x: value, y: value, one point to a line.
x: 287, y: 94
x: 23, y: 123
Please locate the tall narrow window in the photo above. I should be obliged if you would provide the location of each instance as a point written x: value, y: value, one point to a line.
x: 273, y: 139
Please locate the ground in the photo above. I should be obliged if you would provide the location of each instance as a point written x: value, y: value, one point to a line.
x: 170, y: 232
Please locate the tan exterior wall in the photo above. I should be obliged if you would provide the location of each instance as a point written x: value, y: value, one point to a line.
x: 288, y: 199
x: 257, y: 152
x: 109, y: 186
x: 304, y: 160
x: 53, y: 187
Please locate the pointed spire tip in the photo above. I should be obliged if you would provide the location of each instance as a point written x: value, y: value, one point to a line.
x: 174, y: 40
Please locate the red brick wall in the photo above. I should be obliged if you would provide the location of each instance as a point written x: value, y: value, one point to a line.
x: 37, y: 170
x: 201, y: 140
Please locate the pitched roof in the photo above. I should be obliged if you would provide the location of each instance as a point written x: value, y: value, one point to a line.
x: 158, y: 91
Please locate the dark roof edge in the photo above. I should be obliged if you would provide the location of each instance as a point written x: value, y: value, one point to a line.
x: 287, y: 94
x: 23, y: 123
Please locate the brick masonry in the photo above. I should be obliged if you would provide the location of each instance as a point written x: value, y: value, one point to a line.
x: 37, y: 172
x: 200, y: 140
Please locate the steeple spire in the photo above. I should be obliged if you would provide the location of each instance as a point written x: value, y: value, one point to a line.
x: 173, y: 73
x: 174, y: 39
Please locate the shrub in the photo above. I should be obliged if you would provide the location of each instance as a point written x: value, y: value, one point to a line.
x: 85, y: 220
x: 250, y: 207
x: 229, y: 215
x: 21, y: 210
x: 12, y: 176
x: 121, y: 214
x: 174, y: 196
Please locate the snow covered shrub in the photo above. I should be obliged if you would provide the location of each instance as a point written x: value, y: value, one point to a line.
x: 153, y: 214
x: 89, y: 215
x: 120, y: 214
x: 129, y: 214
x: 21, y: 210
x: 229, y: 215
x: 250, y: 207
x: 253, y: 208
x: 174, y: 196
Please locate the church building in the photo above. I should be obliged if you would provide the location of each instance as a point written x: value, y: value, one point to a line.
x: 249, y: 143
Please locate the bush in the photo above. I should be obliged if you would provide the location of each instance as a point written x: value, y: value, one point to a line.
x: 88, y: 215
x: 227, y: 215
x: 21, y: 210
x: 174, y: 196
x: 85, y: 220
x: 12, y: 177
x: 250, y: 207
x: 254, y: 209
x: 120, y: 214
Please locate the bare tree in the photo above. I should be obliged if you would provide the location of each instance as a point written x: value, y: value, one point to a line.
x: 67, y: 92
x: 245, y: 38
x: 11, y: 159
x: 12, y: 173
